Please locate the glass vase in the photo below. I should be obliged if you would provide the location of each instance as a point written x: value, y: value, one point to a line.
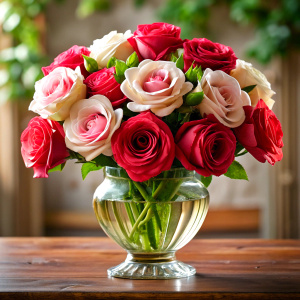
x: 151, y: 220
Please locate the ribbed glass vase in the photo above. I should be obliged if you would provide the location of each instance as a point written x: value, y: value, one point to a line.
x: 151, y: 220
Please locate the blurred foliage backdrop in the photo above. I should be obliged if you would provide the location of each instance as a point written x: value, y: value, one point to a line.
x: 277, y: 25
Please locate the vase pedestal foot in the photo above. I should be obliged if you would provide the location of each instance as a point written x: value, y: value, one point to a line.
x: 151, y: 268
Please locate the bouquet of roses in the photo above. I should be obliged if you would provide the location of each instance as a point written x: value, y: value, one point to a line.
x: 148, y: 102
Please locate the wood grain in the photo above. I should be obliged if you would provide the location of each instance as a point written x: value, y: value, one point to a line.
x: 75, y: 268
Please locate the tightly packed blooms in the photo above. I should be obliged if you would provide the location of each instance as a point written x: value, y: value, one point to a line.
x: 148, y: 102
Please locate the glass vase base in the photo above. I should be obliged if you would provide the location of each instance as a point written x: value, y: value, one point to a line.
x: 164, y: 270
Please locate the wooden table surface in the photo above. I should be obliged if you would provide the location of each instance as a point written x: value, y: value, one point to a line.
x: 75, y: 268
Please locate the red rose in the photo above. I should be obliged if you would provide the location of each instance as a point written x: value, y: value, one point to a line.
x: 104, y: 83
x: 43, y: 146
x: 71, y: 58
x: 207, y: 54
x: 261, y: 133
x: 205, y: 146
x: 143, y: 146
x: 155, y: 41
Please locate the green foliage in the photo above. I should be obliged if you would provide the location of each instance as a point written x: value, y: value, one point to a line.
x: 236, y: 171
x: 89, y: 167
x: 190, y: 15
x: 121, y: 67
x: 111, y: 62
x: 249, y: 88
x: 88, y: 7
x: 180, y: 63
x: 97, y: 164
x: 206, y: 180
x: 173, y: 58
x: 21, y: 64
x: 57, y: 168
x: 90, y: 64
x: 194, y: 74
x: 193, y: 99
x: 277, y: 23
x: 132, y: 61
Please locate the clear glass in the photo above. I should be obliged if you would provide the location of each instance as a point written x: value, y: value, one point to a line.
x: 151, y: 220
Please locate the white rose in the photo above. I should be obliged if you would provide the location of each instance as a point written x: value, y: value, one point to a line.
x: 91, y: 125
x: 56, y: 92
x: 155, y: 85
x: 113, y: 44
x: 223, y: 98
x: 246, y: 75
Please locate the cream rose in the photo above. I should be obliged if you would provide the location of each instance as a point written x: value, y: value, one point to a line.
x: 91, y: 125
x: 246, y: 75
x: 113, y: 44
x: 155, y: 85
x: 56, y: 92
x: 223, y: 98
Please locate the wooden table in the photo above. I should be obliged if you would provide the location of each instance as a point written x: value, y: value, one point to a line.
x: 75, y: 268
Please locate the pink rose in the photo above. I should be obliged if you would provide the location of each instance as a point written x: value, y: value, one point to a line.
x: 205, y: 146
x: 56, y: 92
x: 223, y: 98
x: 143, y: 146
x: 71, y: 58
x: 261, y: 133
x: 155, y: 41
x: 104, y: 83
x: 91, y: 124
x: 207, y: 54
x: 155, y: 85
x: 43, y: 146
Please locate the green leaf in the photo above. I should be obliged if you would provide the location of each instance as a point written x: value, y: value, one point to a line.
x: 104, y: 161
x: 139, y: 3
x: 186, y: 118
x: 132, y: 60
x: 180, y: 62
x: 121, y: 67
x: 119, y: 79
x: 199, y: 73
x: 173, y: 58
x: 90, y: 64
x: 236, y: 171
x: 185, y: 109
x: 194, y: 74
x: 193, y: 99
x: 191, y: 75
x: 57, y: 168
x: 248, y: 88
x: 206, y: 180
x: 89, y: 167
x: 239, y: 150
x: 111, y: 62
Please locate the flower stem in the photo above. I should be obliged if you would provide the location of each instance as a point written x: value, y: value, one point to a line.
x: 139, y: 219
x: 119, y: 221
